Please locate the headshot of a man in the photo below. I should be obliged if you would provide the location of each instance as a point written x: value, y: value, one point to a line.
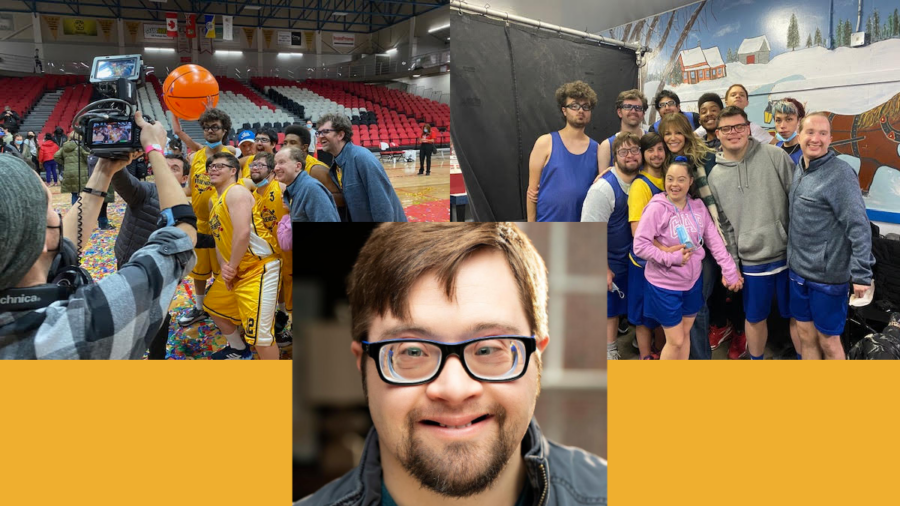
x: 448, y: 326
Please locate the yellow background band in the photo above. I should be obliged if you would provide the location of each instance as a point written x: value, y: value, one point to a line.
x: 154, y: 433
x: 747, y: 433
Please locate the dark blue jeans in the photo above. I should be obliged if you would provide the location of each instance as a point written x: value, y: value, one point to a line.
x: 700, y: 349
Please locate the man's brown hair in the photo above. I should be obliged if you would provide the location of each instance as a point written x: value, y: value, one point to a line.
x: 399, y: 254
x: 579, y: 90
x: 631, y: 95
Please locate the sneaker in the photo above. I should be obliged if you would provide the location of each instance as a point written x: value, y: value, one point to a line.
x: 738, y: 348
x: 623, y: 325
x: 108, y: 226
x: 281, y: 320
x: 718, y: 335
x: 284, y: 339
x: 612, y: 354
x: 229, y: 353
x: 192, y: 316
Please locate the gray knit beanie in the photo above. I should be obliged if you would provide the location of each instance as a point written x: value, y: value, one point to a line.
x: 23, y: 219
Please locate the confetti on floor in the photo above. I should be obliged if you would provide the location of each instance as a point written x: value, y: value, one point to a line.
x: 438, y: 210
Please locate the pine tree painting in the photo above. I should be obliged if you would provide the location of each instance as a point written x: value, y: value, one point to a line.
x: 793, y: 37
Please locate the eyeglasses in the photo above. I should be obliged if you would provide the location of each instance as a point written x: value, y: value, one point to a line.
x: 632, y: 107
x: 218, y: 166
x: 262, y: 165
x: 414, y: 362
x: 574, y: 107
x: 741, y: 128
x: 324, y: 131
x: 211, y: 128
x: 263, y: 140
x: 626, y: 152
x: 665, y: 104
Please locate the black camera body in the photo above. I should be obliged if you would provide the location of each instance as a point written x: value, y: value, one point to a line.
x: 107, y: 126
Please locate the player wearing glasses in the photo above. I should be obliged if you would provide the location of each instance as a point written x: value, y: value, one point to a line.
x: 667, y: 102
x: 751, y: 183
x: 246, y: 292
x: 607, y: 201
x: 563, y: 164
x: 449, y: 324
x: 630, y: 107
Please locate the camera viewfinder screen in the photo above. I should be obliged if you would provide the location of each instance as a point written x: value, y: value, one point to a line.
x: 111, y: 134
x: 114, y: 69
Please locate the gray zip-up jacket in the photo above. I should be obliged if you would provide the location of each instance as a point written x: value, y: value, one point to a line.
x: 752, y: 197
x: 558, y: 475
x: 830, y: 235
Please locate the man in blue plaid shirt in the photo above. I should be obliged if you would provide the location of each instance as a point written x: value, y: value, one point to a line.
x: 113, y: 319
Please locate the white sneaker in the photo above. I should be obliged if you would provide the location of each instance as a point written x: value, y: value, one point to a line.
x: 612, y: 354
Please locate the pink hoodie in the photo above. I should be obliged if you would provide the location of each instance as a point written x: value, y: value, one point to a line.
x: 664, y: 270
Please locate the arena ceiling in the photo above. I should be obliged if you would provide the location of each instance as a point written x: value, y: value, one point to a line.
x: 360, y: 16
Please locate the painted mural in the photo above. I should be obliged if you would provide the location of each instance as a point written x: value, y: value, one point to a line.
x: 840, y: 56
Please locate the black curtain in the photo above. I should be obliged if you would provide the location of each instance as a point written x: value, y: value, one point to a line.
x: 503, y: 82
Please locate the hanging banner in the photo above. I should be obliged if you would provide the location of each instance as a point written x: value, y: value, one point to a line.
x: 210, y: 26
x: 106, y: 26
x: 80, y: 26
x: 343, y: 40
x: 6, y: 22
x: 205, y: 45
x: 191, y: 26
x: 155, y: 32
x: 52, y: 24
x: 309, y: 39
x: 183, y: 44
x: 172, y: 24
x: 248, y: 32
x: 283, y: 39
x: 133, y: 27
x: 227, y: 22
x: 267, y: 34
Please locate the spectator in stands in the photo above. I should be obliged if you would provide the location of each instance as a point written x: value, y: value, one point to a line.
x: 74, y: 157
x: 561, y: 177
x: 30, y: 141
x: 10, y: 120
x: 59, y: 137
x: 45, y: 158
x: 24, y: 150
x: 112, y: 319
x: 826, y: 210
x: 360, y: 176
x: 426, y: 148
x: 176, y: 147
x: 38, y: 66
x: 299, y: 137
x: 789, y: 112
x: 307, y: 198
x: 737, y: 96
x: 710, y: 105
x: 667, y: 102
x: 312, y: 133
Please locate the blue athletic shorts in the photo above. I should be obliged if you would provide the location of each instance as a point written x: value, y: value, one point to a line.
x: 758, y: 293
x: 668, y: 307
x: 617, y: 305
x: 823, y: 304
x: 637, y: 284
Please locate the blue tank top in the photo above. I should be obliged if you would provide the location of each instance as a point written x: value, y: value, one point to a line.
x: 618, y: 230
x: 795, y: 156
x: 612, y: 156
x: 653, y: 191
x: 565, y: 182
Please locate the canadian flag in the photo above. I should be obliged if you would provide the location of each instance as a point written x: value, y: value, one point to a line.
x: 191, y: 26
x: 172, y: 24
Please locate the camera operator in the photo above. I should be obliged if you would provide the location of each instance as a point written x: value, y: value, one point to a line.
x: 113, y: 319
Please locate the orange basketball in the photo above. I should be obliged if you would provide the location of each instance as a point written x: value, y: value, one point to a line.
x: 188, y: 90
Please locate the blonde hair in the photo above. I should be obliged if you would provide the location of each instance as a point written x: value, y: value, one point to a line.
x: 694, y: 148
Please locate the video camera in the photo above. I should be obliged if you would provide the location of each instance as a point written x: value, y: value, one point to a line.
x: 107, y: 126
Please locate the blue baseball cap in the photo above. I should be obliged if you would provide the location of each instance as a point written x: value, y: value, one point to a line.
x: 246, y: 135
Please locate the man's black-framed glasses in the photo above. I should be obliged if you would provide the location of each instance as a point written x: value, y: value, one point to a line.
x: 576, y: 106
x: 739, y: 128
x: 416, y: 361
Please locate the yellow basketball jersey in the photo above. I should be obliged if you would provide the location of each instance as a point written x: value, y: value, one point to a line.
x: 201, y: 191
x: 270, y: 207
x: 245, y: 168
x: 260, y: 247
x: 310, y: 161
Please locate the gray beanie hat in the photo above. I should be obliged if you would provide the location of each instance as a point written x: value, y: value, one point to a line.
x: 23, y: 219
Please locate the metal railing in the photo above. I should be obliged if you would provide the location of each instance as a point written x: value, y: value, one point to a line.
x: 27, y: 64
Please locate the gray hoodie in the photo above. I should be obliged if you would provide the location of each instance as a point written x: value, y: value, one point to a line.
x: 753, y: 203
x: 831, y: 239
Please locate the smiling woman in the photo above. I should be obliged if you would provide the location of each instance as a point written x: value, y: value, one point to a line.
x: 447, y: 331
